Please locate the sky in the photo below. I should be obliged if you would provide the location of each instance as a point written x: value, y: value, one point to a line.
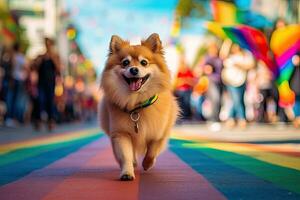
x: 98, y: 20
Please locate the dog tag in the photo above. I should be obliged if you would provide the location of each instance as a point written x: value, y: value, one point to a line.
x: 135, y: 116
x: 136, y: 127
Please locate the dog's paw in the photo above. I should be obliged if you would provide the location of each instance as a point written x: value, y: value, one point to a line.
x: 126, y: 177
x: 135, y: 164
x: 127, y: 173
x: 148, y: 163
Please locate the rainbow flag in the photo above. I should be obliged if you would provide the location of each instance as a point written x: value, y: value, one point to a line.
x: 215, y: 28
x: 253, y: 40
x: 285, y: 43
x: 224, y: 12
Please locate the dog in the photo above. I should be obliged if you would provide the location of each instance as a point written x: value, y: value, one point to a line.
x: 138, y: 108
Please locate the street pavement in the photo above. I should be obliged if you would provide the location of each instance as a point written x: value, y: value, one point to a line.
x: 203, y: 161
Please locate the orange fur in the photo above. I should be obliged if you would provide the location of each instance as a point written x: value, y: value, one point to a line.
x: 155, y: 121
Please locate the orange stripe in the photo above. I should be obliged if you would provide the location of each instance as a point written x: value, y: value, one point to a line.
x: 96, y: 180
x: 272, y: 149
x: 280, y: 150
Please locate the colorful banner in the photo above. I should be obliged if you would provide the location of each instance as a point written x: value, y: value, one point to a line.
x: 224, y: 12
x: 285, y: 43
x: 254, y: 41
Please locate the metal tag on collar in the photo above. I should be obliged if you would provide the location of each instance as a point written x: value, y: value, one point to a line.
x: 135, y: 116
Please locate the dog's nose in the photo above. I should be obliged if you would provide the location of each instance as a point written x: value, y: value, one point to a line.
x: 134, y: 71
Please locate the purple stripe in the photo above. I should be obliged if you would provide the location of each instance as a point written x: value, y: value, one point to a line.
x: 40, y: 182
x: 173, y: 179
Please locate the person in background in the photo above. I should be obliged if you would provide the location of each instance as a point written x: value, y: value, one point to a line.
x: 32, y: 90
x: 267, y: 92
x: 69, y: 101
x: 184, y: 83
x: 295, y: 86
x: 20, y: 72
x: 198, y: 94
x: 6, y: 64
x: 234, y: 75
x: 212, y: 68
x: 279, y: 23
x: 48, y: 68
x: 2, y: 102
x: 251, y: 96
x: 89, y: 107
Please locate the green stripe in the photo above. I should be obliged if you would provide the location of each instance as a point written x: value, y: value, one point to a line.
x: 23, y: 153
x: 284, y: 177
x: 16, y: 170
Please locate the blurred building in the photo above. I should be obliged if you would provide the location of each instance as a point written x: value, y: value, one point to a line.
x: 288, y: 9
x: 49, y: 18
x: 41, y: 18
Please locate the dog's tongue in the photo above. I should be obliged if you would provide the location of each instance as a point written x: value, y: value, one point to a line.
x: 135, y: 85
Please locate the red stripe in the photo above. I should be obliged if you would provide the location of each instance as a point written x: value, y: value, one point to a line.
x: 171, y: 178
x: 91, y: 173
x: 40, y: 182
x: 98, y: 179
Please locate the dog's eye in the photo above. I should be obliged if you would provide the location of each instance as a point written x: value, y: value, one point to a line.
x: 125, y: 62
x: 144, y: 62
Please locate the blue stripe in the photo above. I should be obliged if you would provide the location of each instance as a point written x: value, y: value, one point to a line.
x: 233, y: 182
x: 14, y: 171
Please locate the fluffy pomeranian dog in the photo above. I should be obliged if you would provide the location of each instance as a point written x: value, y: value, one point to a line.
x: 138, y: 108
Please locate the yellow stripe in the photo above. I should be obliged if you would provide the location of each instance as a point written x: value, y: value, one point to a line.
x: 200, y: 138
x: 276, y: 159
x: 263, y: 155
x: 48, y: 140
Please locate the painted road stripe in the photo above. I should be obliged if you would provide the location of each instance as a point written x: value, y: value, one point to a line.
x: 280, y: 176
x: 276, y: 159
x: 19, y: 169
x: 21, y: 154
x: 292, y: 150
x: 239, y: 177
x: 48, y: 140
x: 172, y: 179
x: 40, y: 182
x: 284, y: 149
x: 98, y: 179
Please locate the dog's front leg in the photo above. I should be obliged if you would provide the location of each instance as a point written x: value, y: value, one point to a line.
x: 123, y: 151
x: 153, y: 149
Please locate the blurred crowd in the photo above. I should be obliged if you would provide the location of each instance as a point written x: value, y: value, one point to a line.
x: 229, y: 85
x: 34, y: 91
x: 226, y: 85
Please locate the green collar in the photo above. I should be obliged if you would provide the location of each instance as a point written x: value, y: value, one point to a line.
x: 144, y: 104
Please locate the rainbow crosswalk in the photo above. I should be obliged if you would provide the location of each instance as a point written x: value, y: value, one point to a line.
x: 80, y: 165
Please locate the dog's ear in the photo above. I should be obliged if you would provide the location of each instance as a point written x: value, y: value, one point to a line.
x: 116, y: 44
x: 153, y: 43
